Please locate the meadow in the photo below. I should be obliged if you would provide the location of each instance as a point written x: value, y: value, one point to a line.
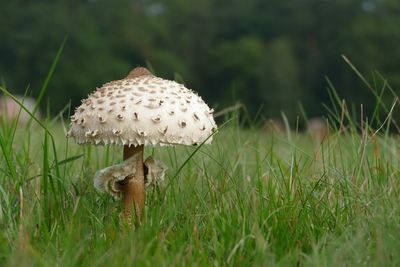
x: 250, y: 199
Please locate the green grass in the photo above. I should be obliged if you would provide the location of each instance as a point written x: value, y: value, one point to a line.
x: 249, y: 199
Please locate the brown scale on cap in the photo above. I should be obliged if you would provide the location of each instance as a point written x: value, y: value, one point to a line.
x: 139, y: 71
x: 142, y: 133
x: 102, y: 119
x: 157, y: 118
x: 163, y: 131
x: 87, y: 102
x: 120, y: 117
x: 74, y: 118
x: 182, y: 124
x: 117, y: 132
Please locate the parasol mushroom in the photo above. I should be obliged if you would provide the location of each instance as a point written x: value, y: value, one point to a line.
x: 136, y: 111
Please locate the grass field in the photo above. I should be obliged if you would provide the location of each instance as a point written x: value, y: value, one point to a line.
x: 249, y: 199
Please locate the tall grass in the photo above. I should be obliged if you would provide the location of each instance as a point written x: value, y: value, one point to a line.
x: 249, y: 199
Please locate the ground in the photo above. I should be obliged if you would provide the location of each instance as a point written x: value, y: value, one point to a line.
x: 250, y: 199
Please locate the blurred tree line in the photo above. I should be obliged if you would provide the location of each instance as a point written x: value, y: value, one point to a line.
x: 265, y: 53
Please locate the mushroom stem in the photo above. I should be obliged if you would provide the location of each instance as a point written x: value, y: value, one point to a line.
x: 133, y: 187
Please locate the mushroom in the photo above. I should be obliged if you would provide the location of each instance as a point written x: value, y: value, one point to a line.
x: 139, y: 110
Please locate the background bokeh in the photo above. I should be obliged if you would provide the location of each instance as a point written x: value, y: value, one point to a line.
x: 264, y: 53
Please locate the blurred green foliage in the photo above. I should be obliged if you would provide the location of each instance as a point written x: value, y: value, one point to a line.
x: 261, y: 52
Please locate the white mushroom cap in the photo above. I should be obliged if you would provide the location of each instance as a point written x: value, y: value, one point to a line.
x: 142, y: 109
